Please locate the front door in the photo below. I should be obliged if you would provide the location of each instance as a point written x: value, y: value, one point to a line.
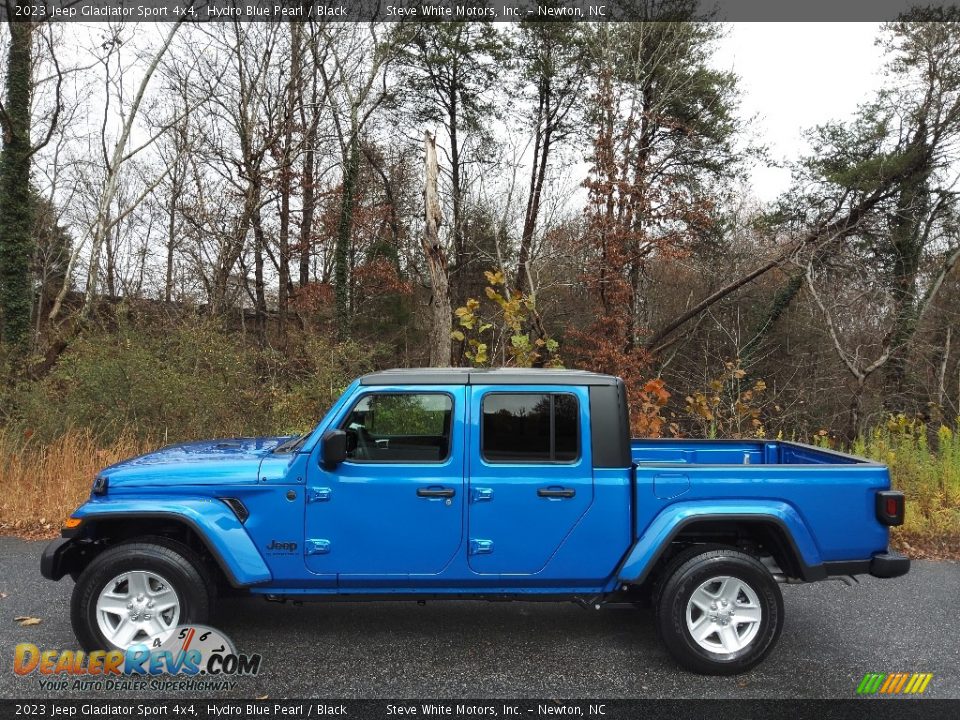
x: 395, y: 506
x: 531, y: 475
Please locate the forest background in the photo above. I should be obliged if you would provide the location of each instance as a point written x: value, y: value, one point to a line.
x: 209, y: 230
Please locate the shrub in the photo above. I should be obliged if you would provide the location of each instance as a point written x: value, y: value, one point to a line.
x: 925, y: 468
x: 184, y: 381
x: 175, y: 383
x: 308, y: 387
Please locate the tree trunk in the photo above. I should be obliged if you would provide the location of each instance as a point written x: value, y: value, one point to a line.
x: 286, y: 169
x: 541, y: 154
x: 942, y: 374
x: 781, y: 301
x: 855, y: 418
x: 341, y: 274
x: 309, y: 202
x: 110, y: 241
x: 171, y: 244
x: 440, y: 341
x: 912, y: 205
x: 16, y: 205
x: 259, y: 283
x: 459, y: 252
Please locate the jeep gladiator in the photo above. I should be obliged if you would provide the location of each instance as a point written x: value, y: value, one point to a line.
x: 487, y: 484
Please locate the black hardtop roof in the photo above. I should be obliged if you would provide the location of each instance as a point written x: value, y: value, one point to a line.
x: 491, y: 376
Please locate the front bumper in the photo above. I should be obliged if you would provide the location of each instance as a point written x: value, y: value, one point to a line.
x: 59, y: 557
x: 889, y: 565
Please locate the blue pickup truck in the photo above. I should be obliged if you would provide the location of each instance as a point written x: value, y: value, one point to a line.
x: 486, y: 484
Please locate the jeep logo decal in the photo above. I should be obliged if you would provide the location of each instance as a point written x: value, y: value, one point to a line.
x: 282, y: 546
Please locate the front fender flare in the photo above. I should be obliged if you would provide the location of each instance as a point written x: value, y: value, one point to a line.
x: 215, y: 524
x: 672, y: 519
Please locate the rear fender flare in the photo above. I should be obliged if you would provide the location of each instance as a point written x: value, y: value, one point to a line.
x: 655, y: 540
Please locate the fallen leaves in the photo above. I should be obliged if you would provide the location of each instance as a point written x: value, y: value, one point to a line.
x: 27, y: 621
x: 920, y: 547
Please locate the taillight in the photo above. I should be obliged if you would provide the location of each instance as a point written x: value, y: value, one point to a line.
x: 890, y: 507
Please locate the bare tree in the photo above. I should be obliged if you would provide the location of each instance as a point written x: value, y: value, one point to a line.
x: 440, y: 341
x: 232, y: 159
x: 555, y: 61
x: 356, y: 86
x: 105, y: 220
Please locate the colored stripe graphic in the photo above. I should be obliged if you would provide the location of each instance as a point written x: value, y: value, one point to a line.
x: 887, y: 683
x: 894, y: 683
x: 870, y: 683
x: 912, y: 684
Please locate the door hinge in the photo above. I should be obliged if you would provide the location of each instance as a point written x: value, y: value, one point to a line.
x: 480, y: 547
x: 481, y: 494
x: 317, y: 547
x: 318, y: 494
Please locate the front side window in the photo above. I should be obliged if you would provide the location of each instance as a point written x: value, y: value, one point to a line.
x: 391, y: 427
x: 530, y: 427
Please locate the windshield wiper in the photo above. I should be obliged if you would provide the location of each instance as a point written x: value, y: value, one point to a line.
x: 291, y: 444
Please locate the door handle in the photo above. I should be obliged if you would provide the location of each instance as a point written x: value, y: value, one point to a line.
x: 436, y: 492
x: 554, y: 492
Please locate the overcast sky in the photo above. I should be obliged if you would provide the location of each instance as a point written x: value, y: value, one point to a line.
x: 795, y: 76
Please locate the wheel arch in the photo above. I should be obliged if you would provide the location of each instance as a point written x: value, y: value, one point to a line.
x: 212, y: 529
x: 781, y: 534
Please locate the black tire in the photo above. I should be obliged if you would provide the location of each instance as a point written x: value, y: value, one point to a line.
x: 182, y: 568
x: 686, y: 573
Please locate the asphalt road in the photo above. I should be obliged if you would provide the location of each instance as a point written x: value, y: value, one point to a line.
x: 833, y: 635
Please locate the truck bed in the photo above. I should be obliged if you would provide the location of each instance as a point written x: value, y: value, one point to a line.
x: 735, y: 452
x: 826, y: 497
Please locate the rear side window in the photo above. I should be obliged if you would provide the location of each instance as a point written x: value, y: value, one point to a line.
x: 530, y: 427
x: 393, y: 427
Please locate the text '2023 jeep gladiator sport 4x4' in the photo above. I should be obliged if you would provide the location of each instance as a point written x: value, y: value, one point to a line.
x: 488, y: 484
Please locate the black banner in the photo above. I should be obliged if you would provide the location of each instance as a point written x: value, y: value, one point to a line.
x: 853, y: 709
x: 457, y: 10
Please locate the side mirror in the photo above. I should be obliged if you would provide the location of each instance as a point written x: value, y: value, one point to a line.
x: 333, y: 448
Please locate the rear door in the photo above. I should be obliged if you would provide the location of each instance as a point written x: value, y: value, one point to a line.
x: 531, y: 474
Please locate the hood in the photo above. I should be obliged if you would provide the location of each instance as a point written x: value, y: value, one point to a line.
x: 205, y: 462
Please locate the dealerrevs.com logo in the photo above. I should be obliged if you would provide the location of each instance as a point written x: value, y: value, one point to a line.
x: 199, y: 658
x: 894, y: 683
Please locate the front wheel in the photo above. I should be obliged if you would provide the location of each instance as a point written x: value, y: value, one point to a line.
x: 138, y: 593
x: 719, y: 612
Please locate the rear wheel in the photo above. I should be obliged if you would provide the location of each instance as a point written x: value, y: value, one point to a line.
x: 137, y: 592
x: 719, y: 612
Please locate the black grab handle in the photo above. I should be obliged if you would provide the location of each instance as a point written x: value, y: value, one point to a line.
x: 435, y: 492
x: 556, y: 492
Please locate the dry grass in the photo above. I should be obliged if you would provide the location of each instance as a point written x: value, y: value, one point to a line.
x: 42, y: 484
